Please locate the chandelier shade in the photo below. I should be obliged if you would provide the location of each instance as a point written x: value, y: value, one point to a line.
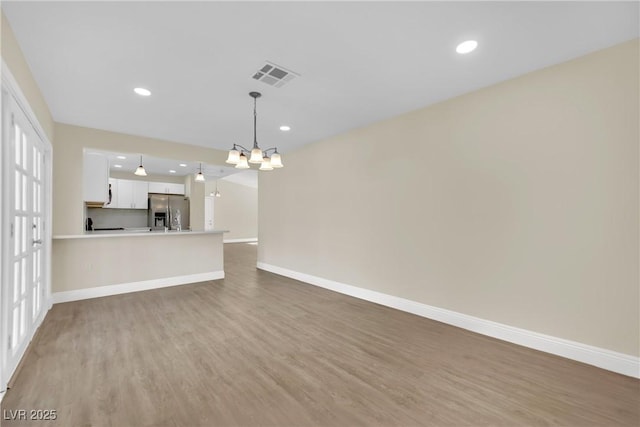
x: 276, y: 160
x: 266, y: 164
x: 241, y: 156
x: 242, y: 163
x: 234, y: 157
x: 256, y: 156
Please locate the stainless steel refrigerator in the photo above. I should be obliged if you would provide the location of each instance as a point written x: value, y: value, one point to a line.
x: 168, y: 211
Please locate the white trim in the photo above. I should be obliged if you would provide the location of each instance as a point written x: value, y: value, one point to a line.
x: 613, y: 361
x: 124, y: 288
x: 15, y: 90
x: 247, y: 240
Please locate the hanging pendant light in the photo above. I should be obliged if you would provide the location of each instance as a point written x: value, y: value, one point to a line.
x: 241, y: 156
x: 140, y: 171
x: 199, y: 175
x: 217, y: 193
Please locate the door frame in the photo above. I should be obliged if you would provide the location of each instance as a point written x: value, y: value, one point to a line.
x: 10, y: 88
x: 213, y: 206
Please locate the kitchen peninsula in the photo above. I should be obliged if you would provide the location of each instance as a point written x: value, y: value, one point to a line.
x: 93, y: 265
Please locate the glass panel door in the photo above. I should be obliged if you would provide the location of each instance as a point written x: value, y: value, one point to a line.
x: 25, y: 253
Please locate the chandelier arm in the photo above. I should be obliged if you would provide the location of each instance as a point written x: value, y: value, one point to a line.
x: 275, y: 150
x: 242, y: 149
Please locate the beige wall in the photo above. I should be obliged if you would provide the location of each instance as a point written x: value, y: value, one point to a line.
x: 67, y: 165
x: 13, y: 57
x: 517, y: 203
x: 92, y: 262
x: 236, y: 210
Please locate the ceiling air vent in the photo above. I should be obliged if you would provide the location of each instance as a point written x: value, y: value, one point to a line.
x: 274, y: 75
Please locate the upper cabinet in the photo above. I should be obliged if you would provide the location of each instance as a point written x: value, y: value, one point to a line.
x: 127, y: 194
x: 132, y: 194
x: 166, y: 188
x: 95, y: 178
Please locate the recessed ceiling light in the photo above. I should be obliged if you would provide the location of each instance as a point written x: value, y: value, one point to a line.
x: 142, y: 91
x: 117, y: 166
x: 121, y: 157
x: 184, y: 165
x: 467, y: 46
x: 285, y: 128
x: 172, y: 171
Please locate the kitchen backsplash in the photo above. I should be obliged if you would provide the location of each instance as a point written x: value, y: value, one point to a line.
x: 112, y: 218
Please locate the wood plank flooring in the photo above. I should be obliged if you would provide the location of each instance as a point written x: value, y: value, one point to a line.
x: 257, y: 349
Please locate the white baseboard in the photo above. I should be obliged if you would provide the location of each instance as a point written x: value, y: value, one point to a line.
x: 124, y: 288
x: 617, y: 362
x: 247, y: 240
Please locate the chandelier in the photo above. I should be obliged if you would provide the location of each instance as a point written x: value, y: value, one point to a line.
x: 241, y: 156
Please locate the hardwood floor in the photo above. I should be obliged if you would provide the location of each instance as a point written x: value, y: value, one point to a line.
x: 260, y: 349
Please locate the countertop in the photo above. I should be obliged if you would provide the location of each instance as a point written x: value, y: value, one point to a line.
x: 124, y: 233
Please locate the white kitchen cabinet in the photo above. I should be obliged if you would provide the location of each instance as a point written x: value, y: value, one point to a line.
x: 140, y: 195
x: 95, y: 178
x: 175, y: 189
x: 132, y: 194
x: 166, y: 188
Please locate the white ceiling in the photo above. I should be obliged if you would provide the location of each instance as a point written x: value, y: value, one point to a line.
x: 359, y: 62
